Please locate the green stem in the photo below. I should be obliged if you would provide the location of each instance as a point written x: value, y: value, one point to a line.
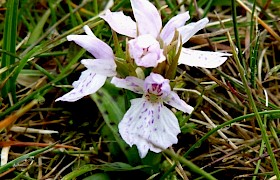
x: 194, y: 168
x: 255, y: 110
x: 260, y: 152
x: 214, y: 130
x: 23, y: 157
x: 236, y: 34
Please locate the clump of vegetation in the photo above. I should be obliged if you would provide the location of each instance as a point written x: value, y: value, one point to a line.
x: 231, y: 132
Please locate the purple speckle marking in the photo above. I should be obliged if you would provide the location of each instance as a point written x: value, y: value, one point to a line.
x: 145, y: 110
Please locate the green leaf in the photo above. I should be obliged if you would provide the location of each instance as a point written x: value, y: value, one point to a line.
x: 38, y: 30
x: 111, y: 103
x: 116, y: 166
x: 9, y: 45
x: 98, y: 176
x: 24, y: 157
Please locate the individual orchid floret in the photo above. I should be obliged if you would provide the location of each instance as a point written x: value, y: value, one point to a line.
x: 94, y: 77
x: 148, y: 123
x: 146, y: 51
x: 148, y: 21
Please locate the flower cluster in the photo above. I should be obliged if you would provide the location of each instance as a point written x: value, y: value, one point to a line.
x: 148, y: 47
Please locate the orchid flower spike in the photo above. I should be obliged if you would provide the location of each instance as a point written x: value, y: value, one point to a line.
x: 94, y: 77
x: 147, y: 51
x: 148, y: 123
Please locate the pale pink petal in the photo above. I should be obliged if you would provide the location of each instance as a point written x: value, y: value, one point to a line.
x: 203, y: 59
x: 146, y: 51
x: 106, y: 67
x: 191, y: 29
x: 88, y: 31
x: 174, y: 100
x: 147, y: 17
x: 120, y: 23
x: 168, y: 30
x: 131, y: 83
x: 157, y: 85
x: 88, y: 83
x: 150, y: 126
x: 95, y: 46
x: 149, y: 60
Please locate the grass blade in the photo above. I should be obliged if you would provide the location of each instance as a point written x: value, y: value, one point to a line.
x: 23, y: 157
x: 9, y: 45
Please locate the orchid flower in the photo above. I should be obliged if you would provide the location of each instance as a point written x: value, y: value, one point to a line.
x: 148, y: 123
x: 94, y: 77
x: 148, y: 22
x: 146, y: 51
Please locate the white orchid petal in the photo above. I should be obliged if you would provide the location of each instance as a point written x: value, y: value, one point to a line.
x: 149, y: 126
x: 168, y: 30
x: 149, y: 60
x: 88, y: 83
x: 147, y: 17
x: 88, y: 31
x: 106, y: 67
x: 95, y: 46
x: 203, y: 59
x: 174, y: 100
x: 120, y: 23
x: 131, y: 83
x: 189, y: 30
x: 168, y: 129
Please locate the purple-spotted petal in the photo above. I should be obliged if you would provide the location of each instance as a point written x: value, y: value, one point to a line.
x: 95, y: 46
x: 174, y: 100
x: 157, y: 85
x: 88, y: 83
x: 189, y: 30
x: 120, y: 23
x: 168, y: 30
x: 106, y: 67
x: 131, y: 83
x: 147, y: 17
x: 203, y: 59
x: 150, y: 126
